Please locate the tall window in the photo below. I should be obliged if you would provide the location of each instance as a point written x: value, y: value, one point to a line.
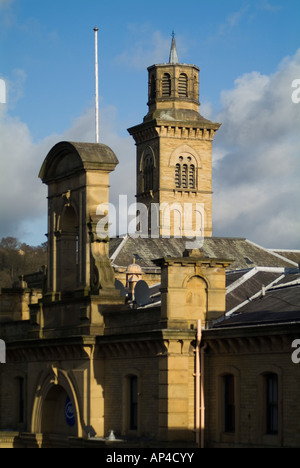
x: 68, y: 251
x: 152, y: 88
x: 229, y: 403
x: 166, y: 85
x: 148, y: 174
x: 178, y: 176
x: 133, y: 403
x: 192, y: 176
x: 184, y: 179
x: 183, y: 85
x: 272, y: 403
x: 185, y: 174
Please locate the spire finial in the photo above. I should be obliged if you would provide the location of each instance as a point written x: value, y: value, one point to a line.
x: 173, y: 54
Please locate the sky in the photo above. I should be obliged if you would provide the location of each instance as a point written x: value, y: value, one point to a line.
x: 248, y: 52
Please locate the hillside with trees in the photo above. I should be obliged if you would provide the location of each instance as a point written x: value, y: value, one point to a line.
x: 18, y: 259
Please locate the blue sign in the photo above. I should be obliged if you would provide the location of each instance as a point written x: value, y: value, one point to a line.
x: 69, y: 413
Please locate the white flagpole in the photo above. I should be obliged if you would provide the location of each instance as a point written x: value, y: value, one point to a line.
x: 97, y: 84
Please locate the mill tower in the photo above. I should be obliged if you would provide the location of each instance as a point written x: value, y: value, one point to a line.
x: 174, y: 151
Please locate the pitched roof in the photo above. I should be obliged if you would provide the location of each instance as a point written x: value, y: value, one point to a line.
x: 245, y: 254
x: 250, y: 285
x: 277, y: 305
x: 293, y: 255
x: 255, y: 271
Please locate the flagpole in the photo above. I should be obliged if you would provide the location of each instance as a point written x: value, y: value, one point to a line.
x: 96, y: 85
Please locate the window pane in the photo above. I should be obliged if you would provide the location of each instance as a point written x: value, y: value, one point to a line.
x: 272, y: 403
x: 133, y: 403
x: 229, y: 403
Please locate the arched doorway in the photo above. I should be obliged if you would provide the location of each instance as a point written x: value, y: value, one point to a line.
x: 58, y: 413
x: 56, y: 408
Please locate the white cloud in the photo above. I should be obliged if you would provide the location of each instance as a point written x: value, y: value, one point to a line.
x: 7, y: 17
x: 5, y: 3
x: 266, y: 6
x: 256, y: 163
x: 23, y: 203
x: 2, y: 92
x: 147, y: 47
x: 20, y: 192
x: 256, y: 174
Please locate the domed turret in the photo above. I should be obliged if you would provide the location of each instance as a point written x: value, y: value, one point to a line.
x: 134, y: 274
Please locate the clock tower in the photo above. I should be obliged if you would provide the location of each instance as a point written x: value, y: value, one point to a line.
x: 174, y: 153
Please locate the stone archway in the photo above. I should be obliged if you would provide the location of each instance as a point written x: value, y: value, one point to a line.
x: 58, y: 414
x: 55, y: 407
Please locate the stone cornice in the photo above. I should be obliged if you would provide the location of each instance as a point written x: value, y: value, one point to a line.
x: 195, y: 130
x: 260, y: 339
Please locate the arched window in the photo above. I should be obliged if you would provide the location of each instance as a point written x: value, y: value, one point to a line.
x: 68, y: 251
x: 166, y: 85
x: 183, y: 85
x: 152, y: 87
x: 178, y: 176
x: 133, y: 403
x: 148, y: 173
x: 185, y: 176
x: 192, y: 181
x: 270, y: 389
x: 229, y: 403
x: 131, y: 409
x: 271, y: 386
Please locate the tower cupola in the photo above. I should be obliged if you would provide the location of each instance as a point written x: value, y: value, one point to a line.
x: 173, y: 89
x: 174, y: 153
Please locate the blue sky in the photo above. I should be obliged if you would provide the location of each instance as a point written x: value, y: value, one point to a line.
x: 248, y: 53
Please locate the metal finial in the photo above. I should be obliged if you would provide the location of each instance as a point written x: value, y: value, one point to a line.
x: 173, y: 53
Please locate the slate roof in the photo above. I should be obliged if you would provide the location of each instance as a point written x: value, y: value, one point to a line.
x: 244, y: 253
x: 248, y: 288
x: 293, y: 255
x: 254, y: 270
x: 278, y: 305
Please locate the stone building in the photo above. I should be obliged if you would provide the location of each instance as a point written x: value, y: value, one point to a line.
x: 174, y: 152
x: 179, y: 348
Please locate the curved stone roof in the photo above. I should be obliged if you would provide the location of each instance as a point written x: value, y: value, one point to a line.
x: 66, y: 158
